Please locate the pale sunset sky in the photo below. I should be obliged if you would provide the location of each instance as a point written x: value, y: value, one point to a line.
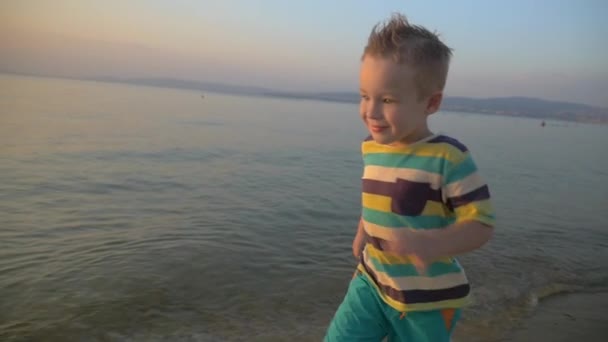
x: 551, y: 49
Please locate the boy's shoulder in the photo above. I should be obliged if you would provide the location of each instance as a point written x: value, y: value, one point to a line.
x: 436, y: 138
x: 440, y: 143
x: 445, y: 140
x: 446, y: 147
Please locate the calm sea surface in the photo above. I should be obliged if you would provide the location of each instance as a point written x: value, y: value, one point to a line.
x: 145, y: 214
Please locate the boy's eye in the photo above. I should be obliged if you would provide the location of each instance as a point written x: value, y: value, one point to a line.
x: 387, y: 100
x: 364, y: 97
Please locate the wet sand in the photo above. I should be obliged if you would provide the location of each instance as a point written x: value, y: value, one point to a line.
x: 569, y: 317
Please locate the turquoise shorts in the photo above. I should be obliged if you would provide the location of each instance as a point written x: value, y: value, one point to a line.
x: 364, y: 316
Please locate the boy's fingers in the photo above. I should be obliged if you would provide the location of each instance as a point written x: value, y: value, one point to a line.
x: 393, y: 247
x: 420, y: 265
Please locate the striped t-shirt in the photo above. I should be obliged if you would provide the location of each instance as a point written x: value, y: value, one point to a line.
x: 430, y: 184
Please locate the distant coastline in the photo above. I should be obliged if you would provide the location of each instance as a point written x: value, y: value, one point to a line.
x: 505, y: 106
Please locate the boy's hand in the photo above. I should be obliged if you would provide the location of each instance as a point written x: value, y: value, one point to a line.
x: 359, y: 241
x: 413, y: 245
x: 426, y: 246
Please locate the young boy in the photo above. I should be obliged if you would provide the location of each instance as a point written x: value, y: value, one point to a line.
x: 423, y: 199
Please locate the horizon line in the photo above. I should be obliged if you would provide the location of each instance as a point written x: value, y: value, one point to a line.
x: 125, y: 80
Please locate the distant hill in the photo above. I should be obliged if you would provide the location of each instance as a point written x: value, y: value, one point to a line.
x: 188, y: 84
x: 508, y: 106
x: 528, y: 107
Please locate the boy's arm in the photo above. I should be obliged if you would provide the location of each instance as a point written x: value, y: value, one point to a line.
x: 359, y: 241
x: 428, y: 245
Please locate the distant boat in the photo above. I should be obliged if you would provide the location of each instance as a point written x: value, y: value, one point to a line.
x: 542, y: 124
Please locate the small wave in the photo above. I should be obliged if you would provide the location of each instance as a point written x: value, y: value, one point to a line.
x: 492, y: 326
x: 552, y: 290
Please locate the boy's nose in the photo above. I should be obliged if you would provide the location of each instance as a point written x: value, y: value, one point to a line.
x: 373, y: 112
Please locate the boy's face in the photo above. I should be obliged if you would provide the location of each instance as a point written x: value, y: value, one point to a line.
x: 390, y: 107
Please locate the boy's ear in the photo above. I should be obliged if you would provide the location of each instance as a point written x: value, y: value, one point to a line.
x: 434, y: 102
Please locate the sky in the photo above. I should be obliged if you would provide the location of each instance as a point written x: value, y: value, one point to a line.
x: 552, y: 49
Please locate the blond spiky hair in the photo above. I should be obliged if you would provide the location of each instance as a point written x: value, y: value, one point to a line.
x: 415, y: 46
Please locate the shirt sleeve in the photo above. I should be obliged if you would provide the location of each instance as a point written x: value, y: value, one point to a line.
x: 466, y: 193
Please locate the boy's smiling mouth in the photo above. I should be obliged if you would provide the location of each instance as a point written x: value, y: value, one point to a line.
x: 377, y: 129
